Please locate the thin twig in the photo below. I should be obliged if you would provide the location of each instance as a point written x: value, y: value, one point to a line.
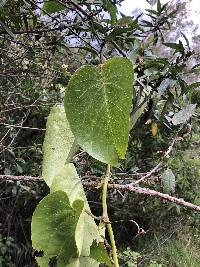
x: 22, y: 127
x: 157, y: 167
x: 20, y: 178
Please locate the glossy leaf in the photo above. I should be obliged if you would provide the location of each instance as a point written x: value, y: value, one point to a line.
x: 87, y: 231
x: 58, y: 143
x: 184, y: 115
x: 53, y: 228
x: 97, y: 104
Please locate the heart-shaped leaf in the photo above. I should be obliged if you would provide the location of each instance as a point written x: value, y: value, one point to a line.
x: 97, y: 104
x: 58, y: 144
x: 53, y: 228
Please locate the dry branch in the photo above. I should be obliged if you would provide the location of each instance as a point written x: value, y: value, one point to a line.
x: 127, y: 187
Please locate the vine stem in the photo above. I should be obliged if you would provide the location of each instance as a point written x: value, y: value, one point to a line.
x: 106, y: 218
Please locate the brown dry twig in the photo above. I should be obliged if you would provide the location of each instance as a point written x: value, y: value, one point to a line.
x: 128, y: 187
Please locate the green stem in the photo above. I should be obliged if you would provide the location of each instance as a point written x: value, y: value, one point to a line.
x: 106, y: 218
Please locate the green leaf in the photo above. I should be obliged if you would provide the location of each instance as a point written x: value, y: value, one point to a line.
x: 87, y: 231
x: 178, y: 47
x: 112, y: 9
x: 152, y: 12
x: 99, y: 253
x: 168, y: 181
x: 53, y: 228
x: 184, y: 115
x: 159, y: 7
x: 53, y: 6
x: 165, y: 84
x: 193, y: 85
x: 58, y: 143
x: 186, y: 39
x: 5, y: 27
x: 137, y: 114
x: 97, y: 104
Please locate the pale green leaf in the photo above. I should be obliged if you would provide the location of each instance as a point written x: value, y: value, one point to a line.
x: 68, y: 181
x: 97, y: 104
x: 58, y: 144
x: 184, y: 115
x: 165, y: 84
x: 53, y: 228
x: 83, y: 262
x: 168, y: 181
x: 53, y: 6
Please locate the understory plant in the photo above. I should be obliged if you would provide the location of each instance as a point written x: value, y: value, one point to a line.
x: 95, y: 116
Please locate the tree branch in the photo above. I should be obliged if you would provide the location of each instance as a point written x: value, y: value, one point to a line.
x: 146, y: 191
x: 121, y: 187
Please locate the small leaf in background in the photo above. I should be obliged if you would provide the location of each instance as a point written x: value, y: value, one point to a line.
x: 186, y: 40
x: 184, y: 115
x: 53, y: 6
x: 98, y: 104
x: 58, y: 143
x: 168, y: 181
x: 7, y: 29
x: 112, y: 9
x: 159, y: 7
x: 53, y: 228
x: 165, y: 84
x: 136, y: 115
x: 99, y: 253
x: 178, y: 47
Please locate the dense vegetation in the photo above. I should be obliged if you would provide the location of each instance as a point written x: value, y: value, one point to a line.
x: 42, y: 45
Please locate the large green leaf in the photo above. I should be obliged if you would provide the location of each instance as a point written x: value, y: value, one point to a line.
x: 58, y: 143
x: 53, y: 228
x: 87, y: 231
x: 97, y: 104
